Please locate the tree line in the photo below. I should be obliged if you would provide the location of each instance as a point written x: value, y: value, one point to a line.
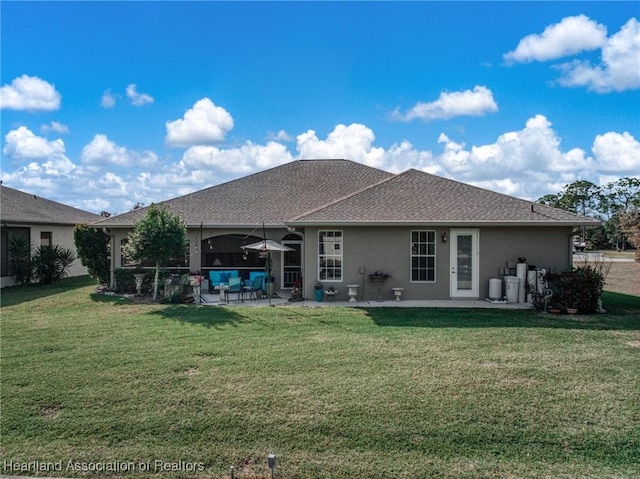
x: 616, y: 204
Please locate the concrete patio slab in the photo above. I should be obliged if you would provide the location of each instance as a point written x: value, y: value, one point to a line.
x: 283, y: 300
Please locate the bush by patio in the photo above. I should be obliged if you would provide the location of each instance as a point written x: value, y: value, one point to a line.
x: 579, y: 288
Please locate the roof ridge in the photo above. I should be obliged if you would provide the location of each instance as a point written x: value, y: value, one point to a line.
x: 338, y: 200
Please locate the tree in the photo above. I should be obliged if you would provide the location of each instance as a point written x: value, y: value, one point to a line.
x: 93, y: 249
x: 619, y: 198
x: 630, y: 225
x: 51, y: 263
x: 605, y: 203
x: 159, y: 236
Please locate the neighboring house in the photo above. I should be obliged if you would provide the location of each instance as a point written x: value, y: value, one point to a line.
x: 42, y: 222
x: 438, y: 238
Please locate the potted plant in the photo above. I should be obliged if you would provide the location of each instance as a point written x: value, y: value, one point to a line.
x: 317, y: 290
x: 296, y: 292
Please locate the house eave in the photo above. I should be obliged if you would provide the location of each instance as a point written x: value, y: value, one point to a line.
x: 443, y: 223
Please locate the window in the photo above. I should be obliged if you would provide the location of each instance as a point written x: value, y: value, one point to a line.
x: 423, y: 256
x: 46, y: 238
x: 330, y: 255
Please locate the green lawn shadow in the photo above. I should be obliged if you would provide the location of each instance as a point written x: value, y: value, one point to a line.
x: 205, y: 316
x: 14, y: 295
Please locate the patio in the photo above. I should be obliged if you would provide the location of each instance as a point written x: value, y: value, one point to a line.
x: 283, y: 300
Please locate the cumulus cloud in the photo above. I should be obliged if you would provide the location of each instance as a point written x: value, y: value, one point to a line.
x: 204, y: 124
x: 619, y: 69
x: 534, y: 148
x: 102, y: 151
x: 108, y: 99
x: 617, y: 152
x: 54, y: 127
x: 569, y: 37
x: 44, y: 157
x: 138, y: 99
x: 245, y: 159
x: 476, y: 102
x: 29, y: 93
x: 353, y: 142
x: 22, y: 144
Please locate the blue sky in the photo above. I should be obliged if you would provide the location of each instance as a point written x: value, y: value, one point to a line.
x: 104, y: 105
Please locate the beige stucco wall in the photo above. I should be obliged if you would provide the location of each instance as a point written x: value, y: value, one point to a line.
x: 388, y: 249
x: 61, y: 235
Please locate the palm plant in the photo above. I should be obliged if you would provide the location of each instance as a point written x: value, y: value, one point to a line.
x: 19, y: 250
x: 51, y: 263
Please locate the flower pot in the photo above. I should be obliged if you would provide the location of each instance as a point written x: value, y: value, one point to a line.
x: 318, y: 293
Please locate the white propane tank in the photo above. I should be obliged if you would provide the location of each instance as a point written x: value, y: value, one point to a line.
x: 495, y: 288
x: 511, y: 284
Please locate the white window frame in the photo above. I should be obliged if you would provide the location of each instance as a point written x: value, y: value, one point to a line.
x: 426, y: 254
x: 334, y: 255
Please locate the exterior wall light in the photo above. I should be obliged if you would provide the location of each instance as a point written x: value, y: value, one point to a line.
x: 444, y: 237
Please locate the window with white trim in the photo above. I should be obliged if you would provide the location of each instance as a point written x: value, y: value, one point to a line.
x: 423, y: 256
x: 330, y: 255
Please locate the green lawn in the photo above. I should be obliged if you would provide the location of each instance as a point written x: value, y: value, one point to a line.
x: 99, y: 382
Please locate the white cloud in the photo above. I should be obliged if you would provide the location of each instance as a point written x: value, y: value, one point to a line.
x: 620, y: 66
x: 476, y: 102
x: 23, y: 144
x: 138, y: 99
x: 353, y: 142
x: 203, y: 124
x: 527, y: 163
x: 569, y: 37
x: 243, y: 160
x: 29, y: 93
x: 44, y: 157
x: 54, y: 127
x: 280, y: 136
x: 108, y: 99
x: 615, y: 152
x: 102, y: 151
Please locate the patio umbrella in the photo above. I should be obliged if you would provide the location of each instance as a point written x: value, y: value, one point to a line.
x: 267, y: 246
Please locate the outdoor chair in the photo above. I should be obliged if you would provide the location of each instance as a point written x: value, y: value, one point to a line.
x: 235, y: 286
x: 254, y: 287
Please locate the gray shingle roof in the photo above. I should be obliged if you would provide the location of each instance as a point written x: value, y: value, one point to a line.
x: 20, y: 207
x: 418, y: 197
x: 270, y: 197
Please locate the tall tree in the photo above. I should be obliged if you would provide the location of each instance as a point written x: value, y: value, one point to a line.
x: 157, y: 237
x: 606, y: 203
x: 92, y: 245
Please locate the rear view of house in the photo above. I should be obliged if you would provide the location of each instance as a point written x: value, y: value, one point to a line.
x: 344, y: 221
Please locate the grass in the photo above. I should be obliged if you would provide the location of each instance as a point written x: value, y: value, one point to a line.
x: 334, y: 393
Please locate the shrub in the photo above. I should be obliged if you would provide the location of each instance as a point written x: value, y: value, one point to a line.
x: 578, y: 288
x: 51, y: 263
x: 92, y: 245
x: 126, y: 281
